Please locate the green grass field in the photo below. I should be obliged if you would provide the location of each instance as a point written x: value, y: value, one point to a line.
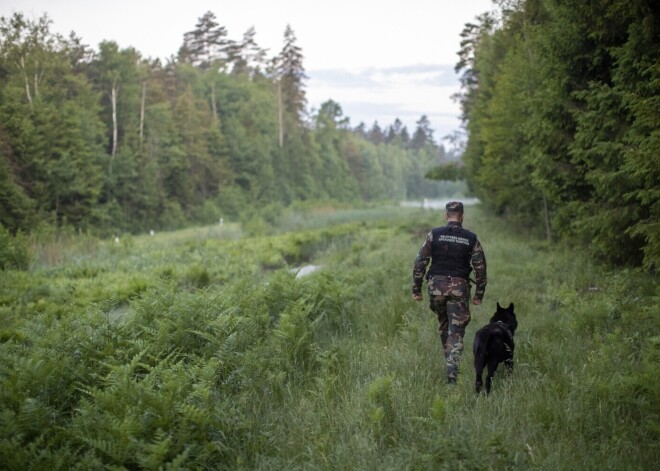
x: 200, y: 349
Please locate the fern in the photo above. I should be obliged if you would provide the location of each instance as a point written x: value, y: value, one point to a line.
x: 179, y: 460
x: 383, y: 413
x: 293, y: 339
x: 155, y: 453
x: 34, y: 417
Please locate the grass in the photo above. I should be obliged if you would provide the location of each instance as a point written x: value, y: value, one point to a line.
x: 192, y: 350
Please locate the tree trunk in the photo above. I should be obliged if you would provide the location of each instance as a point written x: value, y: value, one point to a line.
x: 280, y: 113
x: 144, y: 96
x: 36, y: 80
x: 115, y: 89
x: 546, y: 217
x: 27, y: 82
x: 213, y: 105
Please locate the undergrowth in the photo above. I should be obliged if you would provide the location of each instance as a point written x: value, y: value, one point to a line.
x: 193, y: 350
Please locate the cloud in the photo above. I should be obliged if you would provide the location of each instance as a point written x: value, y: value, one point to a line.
x: 385, y: 94
x: 424, y: 74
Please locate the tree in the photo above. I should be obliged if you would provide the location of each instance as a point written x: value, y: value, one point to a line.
x: 115, y: 73
x: 26, y: 48
x: 208, y: 48
x: 361, y: 130
x: 296, y: 164
x: 291, y: 71
x: 289, y: 74
x: 331, y: 134
x: 423, y: 134
x: 50, y: 129
x: 247, y: 57
x: 207, y: 45
x: 561, y: 115
x: 375, y: 135
x: 16, y: 207
x: 472, y: 36
x: 397, y: 134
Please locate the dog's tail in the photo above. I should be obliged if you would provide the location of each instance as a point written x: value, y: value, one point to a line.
x: 479, y: 350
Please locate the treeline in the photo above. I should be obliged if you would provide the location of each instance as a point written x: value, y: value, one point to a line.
x: 562, y: 106
x: 107, y: 140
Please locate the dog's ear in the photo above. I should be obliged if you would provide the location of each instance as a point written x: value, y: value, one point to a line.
x: 511, y: 307
x: 498, y: 306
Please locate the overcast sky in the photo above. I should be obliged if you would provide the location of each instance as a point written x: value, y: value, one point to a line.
x: 379, y: 59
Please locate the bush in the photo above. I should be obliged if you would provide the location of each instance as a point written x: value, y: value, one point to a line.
x: 13, y: 250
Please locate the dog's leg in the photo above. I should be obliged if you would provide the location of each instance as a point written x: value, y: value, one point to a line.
x: 479, y: 362
x: 508, y: 360
x: 492, y: 368
x: 479, y: 367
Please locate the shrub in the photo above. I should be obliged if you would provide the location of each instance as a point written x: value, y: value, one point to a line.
x: 13, y: 250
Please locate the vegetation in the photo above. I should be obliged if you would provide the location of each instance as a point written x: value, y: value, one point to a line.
x: 107, y: 141
x: 561, y: 105
x: 201, y: 349
x: 205, y: 348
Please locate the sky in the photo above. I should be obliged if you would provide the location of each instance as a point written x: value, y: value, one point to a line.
x: 379, y: 59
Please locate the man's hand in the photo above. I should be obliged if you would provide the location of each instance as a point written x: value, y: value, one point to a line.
x: 476, y: 302
x: 417, y: 297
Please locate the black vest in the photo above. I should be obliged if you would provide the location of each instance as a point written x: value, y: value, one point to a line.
x: 451, y: 251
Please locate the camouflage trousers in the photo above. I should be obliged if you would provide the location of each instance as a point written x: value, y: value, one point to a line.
x: 450, y: 301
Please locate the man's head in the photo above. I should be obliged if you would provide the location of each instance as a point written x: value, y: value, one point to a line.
x: 454, y: 211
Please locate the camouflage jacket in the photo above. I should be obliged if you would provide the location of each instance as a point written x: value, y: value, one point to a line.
x: 477, y: 261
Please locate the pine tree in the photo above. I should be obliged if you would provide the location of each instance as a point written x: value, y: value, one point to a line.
x: 375, y: 135
x: 207, y: 45
x: 423, y: 134
x: 291, y: 74
x: 297, y: 164
x: 247, y: 57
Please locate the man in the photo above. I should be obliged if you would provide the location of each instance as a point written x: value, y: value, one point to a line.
x: 453, y: 252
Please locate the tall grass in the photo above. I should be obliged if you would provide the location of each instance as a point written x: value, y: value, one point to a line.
x: 195, y: 351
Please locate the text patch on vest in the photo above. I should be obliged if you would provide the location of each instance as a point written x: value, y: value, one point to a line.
x: 453, y: 239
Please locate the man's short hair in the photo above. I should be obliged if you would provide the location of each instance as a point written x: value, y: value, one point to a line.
x: 455, y: 207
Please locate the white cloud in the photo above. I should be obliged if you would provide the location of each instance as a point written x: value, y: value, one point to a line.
x: 386, y: 94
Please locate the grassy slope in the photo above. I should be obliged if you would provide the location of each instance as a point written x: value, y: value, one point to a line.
x: 201, y: 349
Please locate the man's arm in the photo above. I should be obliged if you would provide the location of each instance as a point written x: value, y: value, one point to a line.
x: 419, y: 267
x: 478, y: 261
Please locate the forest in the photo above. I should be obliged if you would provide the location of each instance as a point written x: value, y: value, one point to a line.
x: 561, y: 101
x: 560, y: 105
x: 106, y: 141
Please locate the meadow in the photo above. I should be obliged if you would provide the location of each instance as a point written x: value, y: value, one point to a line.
x: 202, y: 349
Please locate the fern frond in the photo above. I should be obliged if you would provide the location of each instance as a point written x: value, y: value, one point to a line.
x: 155, y: 453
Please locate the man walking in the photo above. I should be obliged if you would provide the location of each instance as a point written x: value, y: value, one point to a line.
x: 453, y: 252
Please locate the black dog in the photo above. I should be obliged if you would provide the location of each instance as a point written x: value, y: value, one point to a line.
x: 493, y: 344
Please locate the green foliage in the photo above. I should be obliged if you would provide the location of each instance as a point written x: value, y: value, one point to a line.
x: 49, y: 130
x: 107, y: 141
x: 13, y: 250
x: 383, y: 413
x: 15, y: 206
x: 196, y: 277
x: 448, y: 172
x: 562, y: 116
x: 179, y: 350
